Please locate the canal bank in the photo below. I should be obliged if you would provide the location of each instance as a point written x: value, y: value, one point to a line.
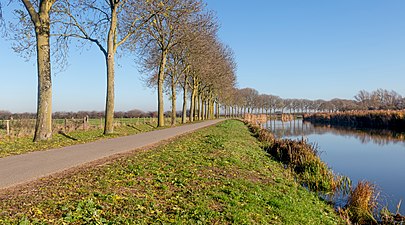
x: 361, y: 154
x: 217, y: 175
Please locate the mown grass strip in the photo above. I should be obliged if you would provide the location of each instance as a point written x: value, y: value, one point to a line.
x: 25, y: 144
x: 217, y: 175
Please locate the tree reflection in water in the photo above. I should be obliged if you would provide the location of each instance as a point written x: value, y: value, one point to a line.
x: 298, y: 129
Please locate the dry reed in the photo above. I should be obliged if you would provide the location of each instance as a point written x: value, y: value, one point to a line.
x: 381, y: 119
x: 362, y: 202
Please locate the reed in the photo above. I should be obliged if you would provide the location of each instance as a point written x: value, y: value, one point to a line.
x: 381, y: 119
x: 362, y: 202
x: 303, y: 159
x: 265, y: 136
x: 287, y: 117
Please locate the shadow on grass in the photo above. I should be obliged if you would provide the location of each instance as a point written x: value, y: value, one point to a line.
x: 67, y: 136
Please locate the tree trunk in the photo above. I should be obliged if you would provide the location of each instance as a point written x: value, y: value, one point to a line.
x: 161, y: 118
x: 218, y: 115
x: 110, y: 58
x: 109, y: 104
x: 193, y: 100
x: 199, y: 100
x: 212, y: 115
x: 192, y: 106
x: 184, y: 114
x: 43, y: 126
x: 174, y: 97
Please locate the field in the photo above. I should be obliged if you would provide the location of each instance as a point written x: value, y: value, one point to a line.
x: 218, y: 175
x: 25, y: 127
x: 19, y: 145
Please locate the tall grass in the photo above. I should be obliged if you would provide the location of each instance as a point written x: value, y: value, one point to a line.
x: 303, y: 159
x: 362, y: 203
x: 381, y: 119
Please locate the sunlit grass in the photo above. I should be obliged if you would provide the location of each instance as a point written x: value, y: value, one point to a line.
x: 217, y: 175
x: 25, y: 144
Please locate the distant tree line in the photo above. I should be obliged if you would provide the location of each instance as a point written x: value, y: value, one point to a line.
x: 249, y: 100
x: 136, y: 113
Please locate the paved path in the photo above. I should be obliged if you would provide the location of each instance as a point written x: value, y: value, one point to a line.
x: 20, y: 169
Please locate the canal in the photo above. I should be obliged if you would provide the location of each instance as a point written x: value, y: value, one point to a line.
x: 375, y: 156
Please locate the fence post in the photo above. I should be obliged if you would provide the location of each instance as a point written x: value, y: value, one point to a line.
x: 65, y: 125
x: 85, y: 123
x: 8, y: 127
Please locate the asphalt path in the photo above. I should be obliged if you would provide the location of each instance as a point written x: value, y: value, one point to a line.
x: 20, y: 169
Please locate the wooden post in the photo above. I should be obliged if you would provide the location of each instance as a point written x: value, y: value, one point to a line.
x: 8, y: 127
x: 65, y: 125
x: 85, y: 123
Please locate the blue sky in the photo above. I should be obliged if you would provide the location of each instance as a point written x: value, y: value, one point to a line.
x: 291, y: 48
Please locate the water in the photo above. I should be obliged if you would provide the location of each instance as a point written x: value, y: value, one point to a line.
x: 375, y: 156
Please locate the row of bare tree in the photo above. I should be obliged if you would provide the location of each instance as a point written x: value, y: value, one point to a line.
x: 175, y: 40
x: 248, y: 100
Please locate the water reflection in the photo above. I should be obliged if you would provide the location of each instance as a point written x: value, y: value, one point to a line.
x: 376, y: 156
x: 298, y: 128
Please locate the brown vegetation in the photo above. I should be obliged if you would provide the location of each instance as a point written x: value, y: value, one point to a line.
x: 381, y: 119
x: 303, y: 159
x: 362, y: 203
x: 287, y: 117
x: 255, y: 119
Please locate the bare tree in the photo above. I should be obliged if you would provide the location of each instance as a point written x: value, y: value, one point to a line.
x: 164, y: 32
x: 108, y: 25
x: 33, y: 30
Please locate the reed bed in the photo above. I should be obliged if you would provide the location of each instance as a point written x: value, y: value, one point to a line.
x: 381, y: 119
x: 304, y: 161
x: 287, y: 117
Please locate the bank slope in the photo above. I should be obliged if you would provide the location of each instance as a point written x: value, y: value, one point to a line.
x: 217, y: 175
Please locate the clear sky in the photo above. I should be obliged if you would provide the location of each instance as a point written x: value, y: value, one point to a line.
x: 291, y: 48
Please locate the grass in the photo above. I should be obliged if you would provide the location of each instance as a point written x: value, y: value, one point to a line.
x: 303, y: 159
x: 217, y: 175
x: 25, y: 144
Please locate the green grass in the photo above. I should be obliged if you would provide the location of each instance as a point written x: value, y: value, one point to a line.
x: 217, y: 175
x: 25, y: 144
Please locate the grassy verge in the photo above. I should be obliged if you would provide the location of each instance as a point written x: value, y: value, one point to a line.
x: 303, y: 160
x: 25, y: 144
x: 218, y: 175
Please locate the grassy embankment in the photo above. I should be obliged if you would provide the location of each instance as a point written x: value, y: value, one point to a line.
x: 218, y: 175
x: 391, y: 120
x: 21, y: 145
x: 303, y: 160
